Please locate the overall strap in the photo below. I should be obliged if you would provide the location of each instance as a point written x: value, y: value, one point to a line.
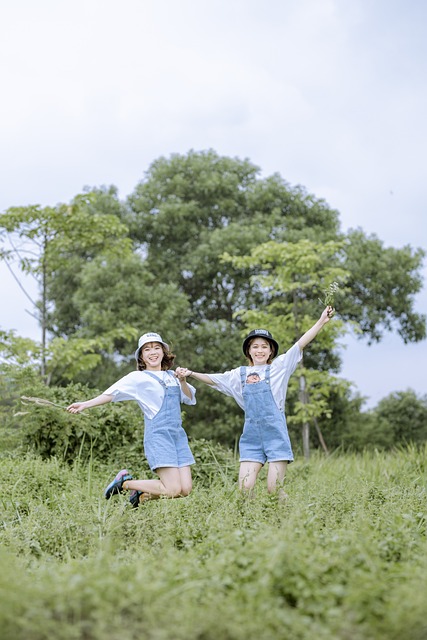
x: 267, y: 374
x: 242, y: 375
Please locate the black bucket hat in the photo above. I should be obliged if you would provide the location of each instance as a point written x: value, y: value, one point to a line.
x: 260, y: 333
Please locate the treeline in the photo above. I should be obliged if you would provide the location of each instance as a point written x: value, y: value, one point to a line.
x: 202, y: 250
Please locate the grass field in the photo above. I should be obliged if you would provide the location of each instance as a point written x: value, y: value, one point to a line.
x: 344, y: 559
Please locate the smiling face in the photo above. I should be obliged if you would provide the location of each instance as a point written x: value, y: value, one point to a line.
x: 152, y: 355
x: 259, y: 351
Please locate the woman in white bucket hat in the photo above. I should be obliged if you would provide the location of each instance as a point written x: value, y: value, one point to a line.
x: 158, y: 391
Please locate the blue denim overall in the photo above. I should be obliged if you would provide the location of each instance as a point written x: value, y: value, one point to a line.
x: 265, y: 435
x: 165, y: 441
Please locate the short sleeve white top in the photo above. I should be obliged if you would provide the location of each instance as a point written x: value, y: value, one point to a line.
x: 281, y: 370
x: 149, y: 394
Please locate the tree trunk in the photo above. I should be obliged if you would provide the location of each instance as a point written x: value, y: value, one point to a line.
x: 44, y: 315
x: 320, y: 435
x: 305, y: 426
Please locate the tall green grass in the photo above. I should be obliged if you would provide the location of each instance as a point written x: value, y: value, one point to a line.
x: 344, y: 559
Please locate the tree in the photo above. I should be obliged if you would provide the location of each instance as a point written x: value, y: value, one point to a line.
x: 103, y: 234
x: 46, y: 240
x: 120, y: 299
x: 183, y: 217
x: 381, y: 288
x: 189, y: 209
x: 405, y: 413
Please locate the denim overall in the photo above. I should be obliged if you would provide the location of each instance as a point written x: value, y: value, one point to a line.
x: 265, y: 435
x: 165, y: 441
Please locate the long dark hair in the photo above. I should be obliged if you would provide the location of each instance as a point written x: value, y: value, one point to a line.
x: 167, y: 361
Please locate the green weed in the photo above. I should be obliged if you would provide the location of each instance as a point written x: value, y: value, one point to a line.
x: 344, y: 558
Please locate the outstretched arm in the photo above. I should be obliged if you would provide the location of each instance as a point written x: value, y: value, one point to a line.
x: 78, y: 407
x: 185, y: 373
x: 312, y: 333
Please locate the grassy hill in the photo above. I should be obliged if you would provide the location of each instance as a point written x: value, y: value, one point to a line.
x: 344, y: 559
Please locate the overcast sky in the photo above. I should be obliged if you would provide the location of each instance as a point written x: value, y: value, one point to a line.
x: 331, y: 94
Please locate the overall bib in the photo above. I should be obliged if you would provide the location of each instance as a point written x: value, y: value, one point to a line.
x: 165, y: 441
x: 265, y: 435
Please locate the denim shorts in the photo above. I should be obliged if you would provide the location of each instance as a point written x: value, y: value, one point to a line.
x: 265, y: 445
x: 167, y: 446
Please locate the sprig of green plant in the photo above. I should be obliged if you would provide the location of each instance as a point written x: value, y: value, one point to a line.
x: 42, y: 402
x: 329, y: 299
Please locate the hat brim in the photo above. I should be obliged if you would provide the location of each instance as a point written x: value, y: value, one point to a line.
x: 166, y: 346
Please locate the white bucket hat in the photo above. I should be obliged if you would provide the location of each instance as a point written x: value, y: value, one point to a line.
x: 149, y: 337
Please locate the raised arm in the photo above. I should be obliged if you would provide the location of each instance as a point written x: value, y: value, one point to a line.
x: 78, y: 407
x: 312, y: 333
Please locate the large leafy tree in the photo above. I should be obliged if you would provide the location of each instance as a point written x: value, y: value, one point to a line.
x: 189, y: 209
x: 186, y: 212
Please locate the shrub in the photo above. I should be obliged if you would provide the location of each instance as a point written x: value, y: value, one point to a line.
x: 49, y: 430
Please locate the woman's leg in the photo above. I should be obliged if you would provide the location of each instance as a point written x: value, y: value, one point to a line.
x: 275, y: 476
x: 186, y: 481
x: 248, y: 474
x: 172, y: 483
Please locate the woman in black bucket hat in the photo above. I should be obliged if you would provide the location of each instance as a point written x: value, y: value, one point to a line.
x: 260, y: 390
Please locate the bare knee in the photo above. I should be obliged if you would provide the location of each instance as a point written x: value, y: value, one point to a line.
x: 186, y: 488
x: 247, y: 483
x: 173, y: 490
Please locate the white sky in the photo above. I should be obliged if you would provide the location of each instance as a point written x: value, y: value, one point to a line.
x: 331, y: 94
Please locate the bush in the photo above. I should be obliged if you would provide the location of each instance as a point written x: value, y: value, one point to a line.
x: 49, y: 430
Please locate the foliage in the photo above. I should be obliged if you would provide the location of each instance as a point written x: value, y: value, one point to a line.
x: 64, y: 359
x: 50, y: 235
x: 348, y: 427
x: 383, y: 282
x: 99, y: 232
x: 53, y: 239
x: 405, y: 414
x: 189, y: 209
x: 291, y: 277
x: 344, y: 558
x: 109, y: 270
x: 49, y: 430
x: 118, y: 300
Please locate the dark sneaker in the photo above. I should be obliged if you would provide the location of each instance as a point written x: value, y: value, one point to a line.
x: 134, y: 499
x: 116, y: 486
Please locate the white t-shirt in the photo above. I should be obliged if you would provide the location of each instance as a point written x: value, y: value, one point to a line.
x: 148, y: 393
x: 281, y: 370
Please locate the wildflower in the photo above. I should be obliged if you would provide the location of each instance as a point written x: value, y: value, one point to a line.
x: 330, y: 294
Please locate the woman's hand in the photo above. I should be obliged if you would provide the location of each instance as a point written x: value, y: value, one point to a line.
x: 76, y: 407
x: 182, y: 373
x: 327, y: 314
